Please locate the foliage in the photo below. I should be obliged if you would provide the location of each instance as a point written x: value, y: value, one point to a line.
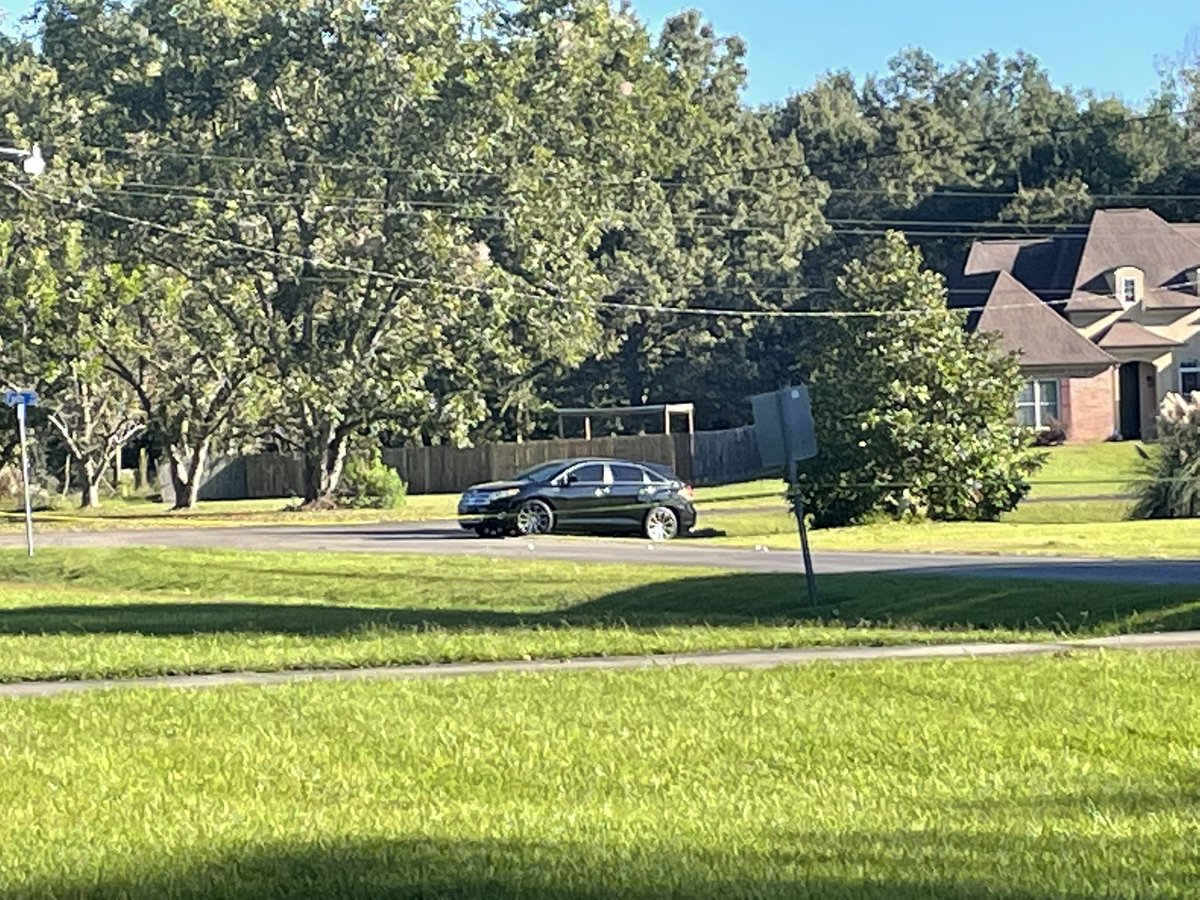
x: 914, y: 414
x: 432, y: 221
x: 841, y: 782
x: 370, y: 483
x: 1170, y: 486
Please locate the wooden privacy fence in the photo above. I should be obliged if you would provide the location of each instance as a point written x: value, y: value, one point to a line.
x: 259, y: 476
x: 706, y: 457
x: 438, y: 470
x: 725, y: 457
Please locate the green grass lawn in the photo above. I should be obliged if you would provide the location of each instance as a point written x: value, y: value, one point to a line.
x: 1164, y: 539
x: 139, y: 513
x: 89, y: 613
x: 1058, y: 777
x: 1075, y: 508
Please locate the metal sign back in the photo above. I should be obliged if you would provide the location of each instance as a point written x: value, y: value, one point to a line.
x: 783, y: 424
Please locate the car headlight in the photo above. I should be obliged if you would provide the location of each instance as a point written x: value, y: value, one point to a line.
x: 501, y: 495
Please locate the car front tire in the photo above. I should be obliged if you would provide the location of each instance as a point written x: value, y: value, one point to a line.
x: 534, y: 517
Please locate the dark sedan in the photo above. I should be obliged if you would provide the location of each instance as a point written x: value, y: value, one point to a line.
x: 594, y: 495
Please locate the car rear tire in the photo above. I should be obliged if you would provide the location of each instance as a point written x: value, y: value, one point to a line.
x: 661, y: 524
x: 534, y: 517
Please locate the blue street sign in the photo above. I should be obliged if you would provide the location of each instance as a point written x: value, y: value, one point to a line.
x: 20, y: 398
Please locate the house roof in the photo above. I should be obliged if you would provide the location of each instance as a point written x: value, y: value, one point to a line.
x: 1046, y: 265
x: 1134, y: 237
x: 1086, y: 301
x: 1170, y: 298
x: 1031, y: 328
x: 1132, y: 336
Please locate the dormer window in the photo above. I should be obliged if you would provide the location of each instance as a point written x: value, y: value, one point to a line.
x: 1128, y: 284
x: 1129, y: 291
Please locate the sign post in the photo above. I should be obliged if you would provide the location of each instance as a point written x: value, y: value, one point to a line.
x: 783, y: 424
x: 22, y: 400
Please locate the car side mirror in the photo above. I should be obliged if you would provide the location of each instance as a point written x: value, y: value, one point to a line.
x: 571, y: 479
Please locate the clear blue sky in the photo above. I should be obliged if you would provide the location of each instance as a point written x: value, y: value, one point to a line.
x: 1108, y: 46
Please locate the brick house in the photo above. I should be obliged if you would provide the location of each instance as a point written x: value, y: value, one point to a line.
x: 1105, y: 323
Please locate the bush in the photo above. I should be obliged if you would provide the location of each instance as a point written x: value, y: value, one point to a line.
x: 369, y: 483
x: 1172, y: 469
x: 914, y: 414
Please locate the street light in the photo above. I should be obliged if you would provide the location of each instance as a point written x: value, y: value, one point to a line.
x: 33, y: 164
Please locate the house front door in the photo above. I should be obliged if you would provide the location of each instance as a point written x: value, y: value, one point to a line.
x: 1131, y: 401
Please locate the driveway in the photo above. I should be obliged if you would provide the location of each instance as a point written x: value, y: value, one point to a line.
x: 446, y: 538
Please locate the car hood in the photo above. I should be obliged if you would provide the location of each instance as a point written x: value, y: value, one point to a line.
x: 496, y: 486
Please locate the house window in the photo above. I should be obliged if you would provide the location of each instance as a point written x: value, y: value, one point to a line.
x: 1189, y: 375
x: 1128, y: 292
x: 1037, y: 404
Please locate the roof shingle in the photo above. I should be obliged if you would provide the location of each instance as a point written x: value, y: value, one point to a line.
x: 1043, y: 338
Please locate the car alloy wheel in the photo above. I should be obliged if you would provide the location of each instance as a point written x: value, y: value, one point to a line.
x: 661, y: 524
x: 535, y: 517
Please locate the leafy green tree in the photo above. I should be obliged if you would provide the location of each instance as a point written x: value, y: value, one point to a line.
x: 198, y: 385
x: 914, y: 414
x: 53, y: 318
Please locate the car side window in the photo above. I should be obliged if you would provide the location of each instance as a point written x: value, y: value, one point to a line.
x: 628, y: 475
x: 588, y: 474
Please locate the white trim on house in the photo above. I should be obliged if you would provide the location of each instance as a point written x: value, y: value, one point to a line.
x: 1041, y: 402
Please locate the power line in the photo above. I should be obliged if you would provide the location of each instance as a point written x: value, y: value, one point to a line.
x: 716, y: 221
x: 541, y: 295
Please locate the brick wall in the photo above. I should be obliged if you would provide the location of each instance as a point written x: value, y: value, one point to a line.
x: 1088, y: 407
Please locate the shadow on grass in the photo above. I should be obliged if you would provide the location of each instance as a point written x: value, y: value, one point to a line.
x: 900, y: 601
x: 932, y: 865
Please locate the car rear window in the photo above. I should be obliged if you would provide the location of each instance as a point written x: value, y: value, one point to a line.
x: 628, y: 475
x: 660, y: 473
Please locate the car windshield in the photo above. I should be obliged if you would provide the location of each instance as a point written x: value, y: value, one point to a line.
x: 541, y: 472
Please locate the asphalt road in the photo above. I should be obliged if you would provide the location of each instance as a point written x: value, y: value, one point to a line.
x: 446, y: 538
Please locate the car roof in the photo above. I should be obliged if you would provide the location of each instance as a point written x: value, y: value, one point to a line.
x: 577, y: 460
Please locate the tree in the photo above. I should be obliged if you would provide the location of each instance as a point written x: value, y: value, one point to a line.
x: 53, y: 317
x: 913, y: 413
x: 196, y: 382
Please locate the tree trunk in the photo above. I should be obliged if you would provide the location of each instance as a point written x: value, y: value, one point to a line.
x: 143, y: 469
x: 632, y: 362
x: 324, y: 458
x: 187, y: 468
x: 90, y: 475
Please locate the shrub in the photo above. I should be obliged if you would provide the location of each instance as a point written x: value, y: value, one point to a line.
x: 369, y: 483
x: 1171, y: 489
x: 914, y: 414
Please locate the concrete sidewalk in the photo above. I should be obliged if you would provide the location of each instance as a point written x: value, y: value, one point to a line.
x: 740, y: 659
